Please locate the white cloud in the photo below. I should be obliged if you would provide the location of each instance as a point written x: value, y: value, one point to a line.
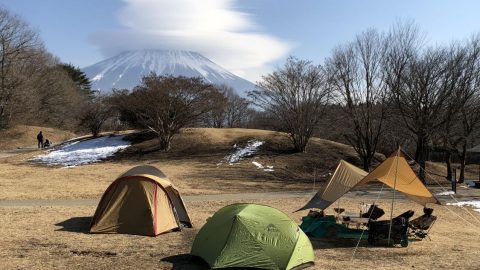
x: 212, y: 27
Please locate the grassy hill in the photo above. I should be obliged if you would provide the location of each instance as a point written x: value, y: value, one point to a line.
x: 22, y: 136
x: 211, y: 145
x: 195, y: 163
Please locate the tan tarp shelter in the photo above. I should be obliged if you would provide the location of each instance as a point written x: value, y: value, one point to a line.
x: 345, y: 177
x: 393, y: 172
x: 141, y: 201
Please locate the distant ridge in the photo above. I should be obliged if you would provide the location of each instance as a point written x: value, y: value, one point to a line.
x: 125, y: 70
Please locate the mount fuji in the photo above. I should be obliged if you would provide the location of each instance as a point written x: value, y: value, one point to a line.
x: 125, y: 70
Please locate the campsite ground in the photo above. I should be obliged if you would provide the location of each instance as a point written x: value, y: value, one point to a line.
x: 54, y: 235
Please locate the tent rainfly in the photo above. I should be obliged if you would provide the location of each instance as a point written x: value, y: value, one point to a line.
x: 252, y: 236
x: 393, y: 172
x: 142, y: 201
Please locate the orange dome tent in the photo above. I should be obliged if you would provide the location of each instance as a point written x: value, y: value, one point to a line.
x: 142, y: 201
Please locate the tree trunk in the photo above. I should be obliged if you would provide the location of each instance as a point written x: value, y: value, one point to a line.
x: 299, y: 143
x: 366, y: 163
x: 420, y: 155
x: 463, y: 155
x: 164, y: 143
x: 448, y: 161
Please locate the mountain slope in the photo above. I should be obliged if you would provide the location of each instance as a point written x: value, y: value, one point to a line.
x: 125, y: 70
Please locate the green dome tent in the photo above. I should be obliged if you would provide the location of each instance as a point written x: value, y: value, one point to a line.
x: 251, y: 235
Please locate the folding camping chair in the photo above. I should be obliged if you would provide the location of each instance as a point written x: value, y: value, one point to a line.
x: 396, y: 229
x: 421, y: 226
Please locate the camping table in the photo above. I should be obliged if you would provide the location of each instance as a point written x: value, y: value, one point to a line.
x: 356, y: 221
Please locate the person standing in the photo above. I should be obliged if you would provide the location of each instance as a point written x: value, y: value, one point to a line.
x: 40, y: 139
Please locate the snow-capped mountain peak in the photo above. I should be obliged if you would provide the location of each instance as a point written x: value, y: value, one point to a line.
x: 125, y: 70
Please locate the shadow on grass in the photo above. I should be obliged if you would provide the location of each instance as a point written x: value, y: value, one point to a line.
x: 330, y: 243
x: 186, y: 261
x: 336, y: 243
x: 75, y: 224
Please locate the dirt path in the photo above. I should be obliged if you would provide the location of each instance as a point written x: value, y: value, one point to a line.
x: 187, y: 198
x: 370, y: 194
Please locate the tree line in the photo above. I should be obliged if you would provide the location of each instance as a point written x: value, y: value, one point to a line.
x: 390, y: 90
x: 35, y: 87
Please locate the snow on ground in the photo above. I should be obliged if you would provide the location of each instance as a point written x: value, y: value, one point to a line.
x: 240, y: 153
x: 445, y: 193
x: 474, y: 204
x: 84, y: 152
x: 265, y: 168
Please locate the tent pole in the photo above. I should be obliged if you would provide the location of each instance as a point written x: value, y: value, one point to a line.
x: 393, y: 198
x: 338, y: 208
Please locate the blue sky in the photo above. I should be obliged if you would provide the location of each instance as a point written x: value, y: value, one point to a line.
x: 249, y: 37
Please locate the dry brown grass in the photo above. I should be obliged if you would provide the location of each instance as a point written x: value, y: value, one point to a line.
x: 55, y: 237
x: 26, y: 136
x: 191, y: 165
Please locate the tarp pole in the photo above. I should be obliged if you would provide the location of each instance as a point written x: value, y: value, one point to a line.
x: 393, y: 198
x: 338, y: 210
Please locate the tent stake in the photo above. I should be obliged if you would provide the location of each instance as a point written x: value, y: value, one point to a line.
x: 393, y: 198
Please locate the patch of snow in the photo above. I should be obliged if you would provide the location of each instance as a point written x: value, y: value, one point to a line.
x: 97, y: 77
x: 266, y: 168
x: 269, y: 168
x: 84, y: 152
x: 258, y: 165
x: 445, y: 193
x: 250, y: 149
x: 473, y: 204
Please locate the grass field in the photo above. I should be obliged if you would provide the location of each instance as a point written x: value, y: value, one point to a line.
x: 45, y: 237
x: 55, y: 237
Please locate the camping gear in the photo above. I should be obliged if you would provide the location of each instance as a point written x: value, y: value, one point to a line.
x: 420, y: 227
x: 374, y: 212
x: 254, y: 236
x: 397, y: 174
x: 327, y: 227
x: 345, y: 177
x: 381, y: 230
x: 393, y: 172
x: 141, y: 201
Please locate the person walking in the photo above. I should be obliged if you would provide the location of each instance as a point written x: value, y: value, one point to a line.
x: 40, y: 139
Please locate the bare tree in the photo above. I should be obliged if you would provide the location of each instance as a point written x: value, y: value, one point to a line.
x: 165, y: 104
x: 356, y: 73
x: 422, y: 100
x: 227, y: 109
x: 94, y: 115
x: 461, y: 79
x: 415, y: 78
x: 216, y: 116
x: 17, y: 43
x: 237, y: 109
x: 45, y: 94
x: 464, y: 116
x: 295, y: 95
